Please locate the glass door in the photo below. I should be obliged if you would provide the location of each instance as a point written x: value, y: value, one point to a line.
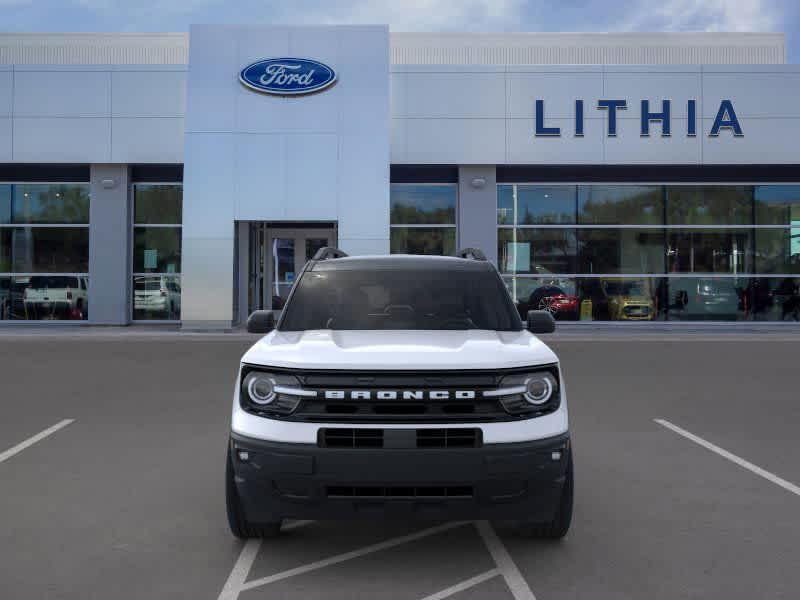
x: 285, y: 253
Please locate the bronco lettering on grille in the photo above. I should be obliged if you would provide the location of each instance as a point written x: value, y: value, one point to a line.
x: 399, y: 394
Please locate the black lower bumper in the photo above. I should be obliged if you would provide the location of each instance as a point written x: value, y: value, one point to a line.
x: 303, y: 481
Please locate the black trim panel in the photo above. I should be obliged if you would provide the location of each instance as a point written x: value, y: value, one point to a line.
x: 423, y: 174
x: 521, y: 480
x: 648, y: 173
x: 167, y: 173
x: 54, y: 173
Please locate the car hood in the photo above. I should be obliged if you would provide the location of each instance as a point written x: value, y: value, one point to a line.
x: 400, y: 350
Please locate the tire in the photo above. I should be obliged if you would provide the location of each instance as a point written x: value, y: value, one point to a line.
x: 559, y: 526
x: 237, y: 521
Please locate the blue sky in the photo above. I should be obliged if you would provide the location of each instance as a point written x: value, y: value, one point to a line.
x: 414, y: 15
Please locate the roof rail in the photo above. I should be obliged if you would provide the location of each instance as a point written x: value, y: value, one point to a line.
x: 471, y: 253
x: 327, y: 252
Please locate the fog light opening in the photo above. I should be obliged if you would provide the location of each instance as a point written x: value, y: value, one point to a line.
x: 243, y: 455
x: 556, y: 455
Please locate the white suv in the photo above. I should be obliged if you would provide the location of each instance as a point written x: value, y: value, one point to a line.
x: 399, y: 386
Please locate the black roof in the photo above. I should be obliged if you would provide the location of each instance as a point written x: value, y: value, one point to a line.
x: 400, y: 262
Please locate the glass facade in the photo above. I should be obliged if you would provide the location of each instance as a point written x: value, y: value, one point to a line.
x: 44, y: 251
x: 423, y: 218
x: 156, y: 236
x: 652, y: 252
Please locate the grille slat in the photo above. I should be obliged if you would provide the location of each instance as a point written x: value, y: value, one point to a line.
x: 334, y: 437
x: 373, y: 492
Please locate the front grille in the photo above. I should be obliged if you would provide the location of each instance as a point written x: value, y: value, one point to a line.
x: 458, y: 437
x: 405, y: 406
x: 378, y: 492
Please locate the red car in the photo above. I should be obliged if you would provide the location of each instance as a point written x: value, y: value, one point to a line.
x: 555, y: 301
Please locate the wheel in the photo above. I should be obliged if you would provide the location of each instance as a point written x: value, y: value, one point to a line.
x: 558, y: 527
x: 239, y: 525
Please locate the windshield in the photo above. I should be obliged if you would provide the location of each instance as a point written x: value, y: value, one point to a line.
x: 400, y: 299
x: 627, y: 288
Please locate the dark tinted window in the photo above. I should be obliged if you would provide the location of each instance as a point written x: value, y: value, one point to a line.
x: 400, y: 299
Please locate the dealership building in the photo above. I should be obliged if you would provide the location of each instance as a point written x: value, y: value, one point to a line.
x: 186, y: 178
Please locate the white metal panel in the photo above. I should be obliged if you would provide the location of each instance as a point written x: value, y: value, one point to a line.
x: 753, y: 94
x: 363, y: 185
x: 211, y: 89
x: 207, y: 280
x: 263, y: 113
x: 62, y: 93
x: 587, y: 48
x: 397, y: 142
x: 364, y: 82
x: 78, y: 140
x: 455, y: 141
x: 364, y: 246
x: 148, y: 93
x: 524, y: 147
x: 147, y: 140
x: 5, y: 139
x: 453, y: 95
x: 655, y: 86
x: 558, y: 90
x: 629, y: 148
x: 260, y: 198
x: 765, y: 141
x: 311, y: 177
x: 208, y: 185
x: 6, y: 87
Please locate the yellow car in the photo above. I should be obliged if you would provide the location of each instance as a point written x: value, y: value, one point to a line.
x: 628, y: 299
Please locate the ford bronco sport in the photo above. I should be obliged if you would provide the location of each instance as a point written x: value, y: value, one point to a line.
x: 399, y: 386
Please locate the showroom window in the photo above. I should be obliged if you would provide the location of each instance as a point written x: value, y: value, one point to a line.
x: 44, y: 251
x: 157, y: 215
x: 423, y: 218
x: 646, y: 252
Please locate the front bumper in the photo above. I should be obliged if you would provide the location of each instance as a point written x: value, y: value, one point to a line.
x: 304, y: 481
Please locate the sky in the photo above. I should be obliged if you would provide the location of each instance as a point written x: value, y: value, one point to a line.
x: 414, y: 15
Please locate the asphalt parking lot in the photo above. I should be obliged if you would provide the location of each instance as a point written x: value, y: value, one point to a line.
x: 111, y: 481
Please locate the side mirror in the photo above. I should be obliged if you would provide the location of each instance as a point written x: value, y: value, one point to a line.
x: 262, y: 321
x: 541, y: 321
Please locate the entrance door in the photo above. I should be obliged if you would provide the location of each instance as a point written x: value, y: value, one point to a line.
x: 278, y: 254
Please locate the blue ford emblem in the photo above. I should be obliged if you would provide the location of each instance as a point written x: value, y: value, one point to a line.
x: 287, y: 76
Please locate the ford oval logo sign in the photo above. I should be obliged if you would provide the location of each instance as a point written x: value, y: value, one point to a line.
x: 287, y: 76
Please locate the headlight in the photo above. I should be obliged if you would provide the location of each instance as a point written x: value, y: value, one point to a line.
x: 270, y: 393
x: 260, y: 387
x: 539, y: 388
x: 535, y: 392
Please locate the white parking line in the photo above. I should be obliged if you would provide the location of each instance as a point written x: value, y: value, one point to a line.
x: 731, y: 457
x: 4, y: 456
x: 505, y: 564
x: 240, y: 571
x: 464, y: 585
x: 326, y: 562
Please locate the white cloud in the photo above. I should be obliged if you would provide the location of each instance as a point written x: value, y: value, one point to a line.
x: 416, y: 15
x: 705, y: 15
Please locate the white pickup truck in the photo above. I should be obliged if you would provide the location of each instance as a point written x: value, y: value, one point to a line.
x: 56, y: 297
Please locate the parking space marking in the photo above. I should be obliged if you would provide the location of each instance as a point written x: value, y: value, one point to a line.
x: 4, y: 456
x: 240, y: 571
x: 505, y: 564
x: 464, y: 585
x: 333, y: 560
x: 731, y: 457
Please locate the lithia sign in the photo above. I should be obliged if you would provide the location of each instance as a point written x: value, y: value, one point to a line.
x: 726, y: 119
